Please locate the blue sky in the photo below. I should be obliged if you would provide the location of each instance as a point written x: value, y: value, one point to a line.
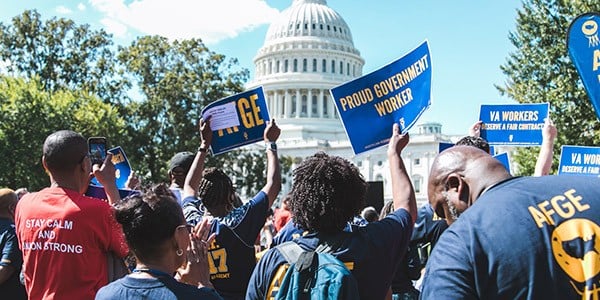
x: 468, y: 38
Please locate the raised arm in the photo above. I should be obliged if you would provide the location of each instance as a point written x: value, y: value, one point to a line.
x: 402, y: 189
x: 194, y: 175
x: 475, y: 129
x: 273, y: 185
x: 106, y: 176
x: 544, y: 160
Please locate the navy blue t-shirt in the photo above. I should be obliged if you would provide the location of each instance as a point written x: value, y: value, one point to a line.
x: 231, y: 256
x: 371, y: 252
x: 153, y: 289
x: 525, y: 238
x: 11, y: 256
x: 291, y: 231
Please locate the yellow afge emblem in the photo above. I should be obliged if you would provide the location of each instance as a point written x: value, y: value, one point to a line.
x: 576, y: 248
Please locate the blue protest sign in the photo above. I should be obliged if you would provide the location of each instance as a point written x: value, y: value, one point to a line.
x: 584, y: 50
x: 397, y: 93
x: 237, y: 120
x: 579, y: 160
x: 513, y: 124
x: 98, y: 192
x: 503, y: 158
x: 122, y: 167
x: 443, y: 146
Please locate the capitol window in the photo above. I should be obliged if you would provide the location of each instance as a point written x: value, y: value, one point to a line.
x: 314, y: 26
x: 321, y: 25
x: 333, y: 66
x: 277, y: 67
x: 293, y: 105
x: 325, y: 112
x: 417, y: 182
x: 285, y: 66
x: 304, y: 106
x: 314, y: 105
x: 304, y: 65
x: 314, y: 64
x: 334, y: 29
x: 341, y: 67
x: 295, y: 65
x: 328, y: 28
x: 324, y: 65
x: 348, y: 69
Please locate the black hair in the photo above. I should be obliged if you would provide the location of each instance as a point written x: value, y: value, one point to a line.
x: 63, y: 150
x: 474, y: 141
x: 216, y: 189
x: 149, y: 219
x: 328, y: 191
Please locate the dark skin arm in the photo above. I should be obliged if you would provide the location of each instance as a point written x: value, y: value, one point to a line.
x: 402, y: 190
x: 273, y: 185
x: 194, y: 176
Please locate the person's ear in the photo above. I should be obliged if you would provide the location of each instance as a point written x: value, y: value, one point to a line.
x: 457, y: 187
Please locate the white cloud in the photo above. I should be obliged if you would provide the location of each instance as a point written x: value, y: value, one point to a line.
x: 81, y: 6
x: 63, y: 10
x: 212, y: 21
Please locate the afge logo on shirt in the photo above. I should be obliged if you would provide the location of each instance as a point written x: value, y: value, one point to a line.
x: 576, y: 248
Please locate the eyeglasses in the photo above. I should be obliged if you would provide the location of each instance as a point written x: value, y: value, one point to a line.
x: 188, y: 226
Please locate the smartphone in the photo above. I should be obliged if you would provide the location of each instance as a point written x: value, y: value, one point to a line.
x: 97, y: 148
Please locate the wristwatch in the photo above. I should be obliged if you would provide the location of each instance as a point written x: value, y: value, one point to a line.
x: 271, y: 146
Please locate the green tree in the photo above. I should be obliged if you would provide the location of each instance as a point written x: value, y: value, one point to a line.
x: 28, y: 114
x: 540, y: 70
x: 176, y: 80
x: 62, y: 54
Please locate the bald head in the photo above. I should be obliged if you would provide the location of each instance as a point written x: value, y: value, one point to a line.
x: 458, y: 176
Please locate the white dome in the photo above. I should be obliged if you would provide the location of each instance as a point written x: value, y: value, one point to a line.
x: 309, y: 18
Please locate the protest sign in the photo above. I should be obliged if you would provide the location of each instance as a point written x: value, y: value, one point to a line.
x: 579, y: 160
x: 237, y: 120
x: 503, y: 158
x: 513, y: 124
x: 397, y: 93
x: 443, y: 146
x: 98, y: 192
x: 584, y: 50
x: 122, y: 167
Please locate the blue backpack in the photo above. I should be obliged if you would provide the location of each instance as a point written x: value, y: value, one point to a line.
x: 315, y: 275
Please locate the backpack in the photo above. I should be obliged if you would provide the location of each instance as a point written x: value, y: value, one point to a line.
x: 315, y: 275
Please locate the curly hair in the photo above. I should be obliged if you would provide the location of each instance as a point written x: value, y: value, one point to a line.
x: 216, y: 189
x: 328, y: 191
x: 474, y: 141
x: 148, y: 220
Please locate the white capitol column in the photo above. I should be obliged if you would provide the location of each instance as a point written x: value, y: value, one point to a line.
x: 330, y: 106
x: 310, y: 103
x: 320, y: 103
x: 288, y: 105
x: 298, y: 100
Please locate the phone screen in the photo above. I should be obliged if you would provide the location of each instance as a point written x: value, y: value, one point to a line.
x: 97, y: 150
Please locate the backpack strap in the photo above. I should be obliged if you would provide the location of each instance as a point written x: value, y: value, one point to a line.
x: 295, y: 255
x: 290, y: 251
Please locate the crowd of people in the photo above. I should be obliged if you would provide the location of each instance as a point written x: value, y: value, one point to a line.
x: 483, y: 235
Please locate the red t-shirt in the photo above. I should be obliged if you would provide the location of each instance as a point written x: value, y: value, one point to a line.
x: 282, y: 216
x: 64, y: 237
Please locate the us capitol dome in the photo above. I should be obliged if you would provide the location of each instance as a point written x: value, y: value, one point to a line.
x: 307, y: 51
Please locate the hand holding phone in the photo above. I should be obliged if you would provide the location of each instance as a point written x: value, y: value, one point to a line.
x: 97, y: 148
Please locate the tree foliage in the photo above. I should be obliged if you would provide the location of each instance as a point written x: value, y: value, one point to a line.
x: 540, y: 70
x: 62, y: 54
x: 28, y: 114
x: 152, y: 93
x: 176, y: 80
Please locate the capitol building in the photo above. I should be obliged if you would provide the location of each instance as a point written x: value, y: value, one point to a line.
x: 307, y: 51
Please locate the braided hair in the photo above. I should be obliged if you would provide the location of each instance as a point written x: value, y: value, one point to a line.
x: 328, y: 191
x: 216, y: 189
